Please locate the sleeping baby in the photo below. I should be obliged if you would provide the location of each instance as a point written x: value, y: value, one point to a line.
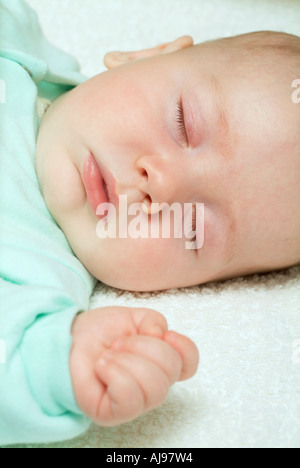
x: 210, y: 128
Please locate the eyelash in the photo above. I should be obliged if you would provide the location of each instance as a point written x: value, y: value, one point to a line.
x: 180, y: 121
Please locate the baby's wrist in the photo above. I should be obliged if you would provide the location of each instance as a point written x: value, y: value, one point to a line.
x: 76, y: 324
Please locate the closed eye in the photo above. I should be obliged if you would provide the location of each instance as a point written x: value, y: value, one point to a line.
x: 181, y: 123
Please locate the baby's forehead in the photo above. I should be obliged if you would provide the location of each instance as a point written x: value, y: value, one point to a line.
x: 282, y: 48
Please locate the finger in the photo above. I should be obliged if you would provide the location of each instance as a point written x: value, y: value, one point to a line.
x: 113, y: 59
x: 150, y: 322
x: 179, y: 43
x: 123, y: 399
x: 88, y: 391
x: 152, y: 381
x: 125, y: 56
x: 155, y: 350
x: 116, y: 58
x: 188, y: 351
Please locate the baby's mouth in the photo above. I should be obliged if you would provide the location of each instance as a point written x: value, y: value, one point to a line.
x: 99, y: 184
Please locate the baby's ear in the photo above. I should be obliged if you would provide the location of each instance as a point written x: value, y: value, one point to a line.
x: 115, y: 59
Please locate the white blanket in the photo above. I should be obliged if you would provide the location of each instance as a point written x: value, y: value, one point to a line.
x: 247, y: 390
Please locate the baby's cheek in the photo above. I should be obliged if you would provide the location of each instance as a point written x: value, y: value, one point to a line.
x: 134, y: 264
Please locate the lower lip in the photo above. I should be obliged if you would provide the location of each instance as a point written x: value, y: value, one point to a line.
x: 94, y: 184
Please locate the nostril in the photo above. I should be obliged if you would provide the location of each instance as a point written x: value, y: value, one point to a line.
x: 144, y: 173
x: 146, y: 205
x: 148, y: 200
x: 149, y: 207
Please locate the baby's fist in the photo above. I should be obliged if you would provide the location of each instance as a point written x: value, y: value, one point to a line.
x: 124, y: 360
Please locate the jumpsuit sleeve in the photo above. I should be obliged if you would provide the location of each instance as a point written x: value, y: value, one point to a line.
x: 36, y: 395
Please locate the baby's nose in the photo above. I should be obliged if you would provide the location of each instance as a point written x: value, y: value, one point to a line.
x: 159, y: 181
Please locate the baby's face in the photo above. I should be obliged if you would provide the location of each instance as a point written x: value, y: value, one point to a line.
x: 237, y: 152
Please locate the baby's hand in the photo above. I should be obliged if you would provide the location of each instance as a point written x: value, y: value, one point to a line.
x: 124, y: 360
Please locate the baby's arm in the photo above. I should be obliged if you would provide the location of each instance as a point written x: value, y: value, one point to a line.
x: 124, y: 360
